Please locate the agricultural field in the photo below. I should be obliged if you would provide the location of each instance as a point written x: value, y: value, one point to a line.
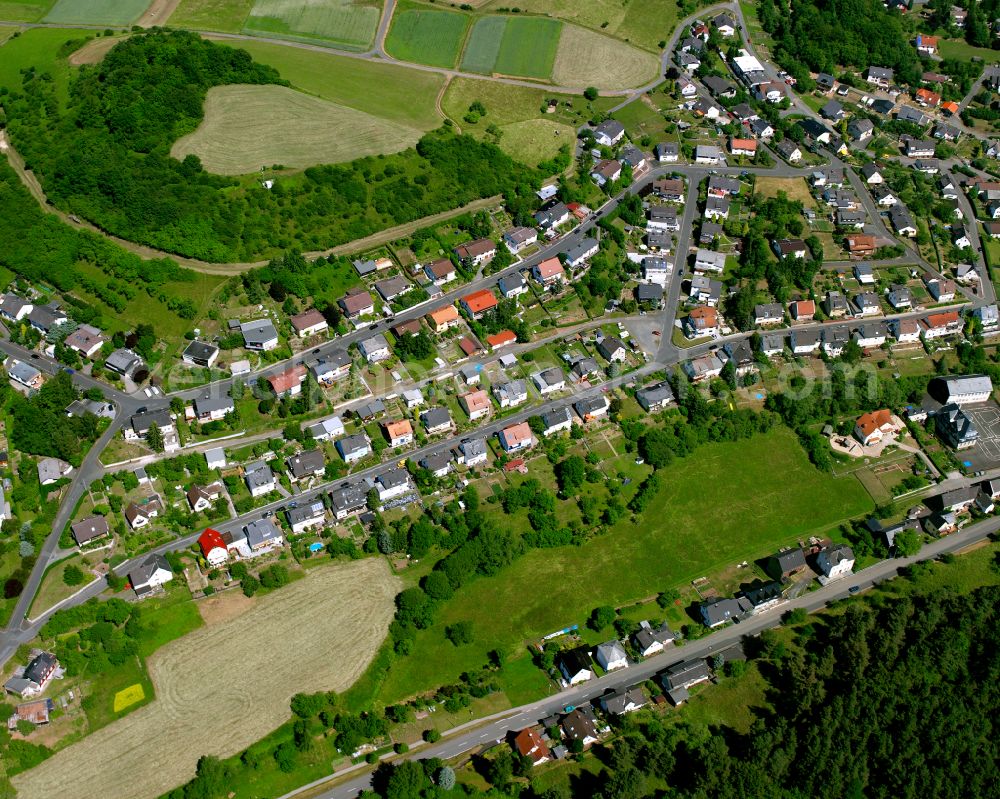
x: 206, y: 704
x: 96, y: 12
x: 585, y: 58
x: 23, y: 10
x: 249, y: 127
x: 349, y: 24
x: 426, y: 36
x: 395, y: 93
x: 644, y: 23
x: 756, y: 510
x: 211, y: 15
x: 528, y: 47
x: 483, y: 46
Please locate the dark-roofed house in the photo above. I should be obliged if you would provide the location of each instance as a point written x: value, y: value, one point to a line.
x: 263, y: 535
x: 353, y: 448
x: 436, y: 420
x: 150, y: 575
x: 305, y: 516
x: 649, y: 640
x: 655, y: 397
x: 716, y: 612
x: 33, y: 679
x: 89, y: 529
x: 308, y: 463
x: 624, y: 700
x: 787, y: 563
x: 682, y: 676
x: 956, y: 427
x: 581, y: 725
x: 575, y: 665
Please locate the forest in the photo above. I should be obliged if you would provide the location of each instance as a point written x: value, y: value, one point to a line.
x: 105, y: 156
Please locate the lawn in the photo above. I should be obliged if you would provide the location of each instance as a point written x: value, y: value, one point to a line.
x: 212, y: 15
x: 586, y: 58
x: 344, y: 23
x: 484, y: 45
x: 642, y: 118
x: 795, y: 188
x: 23, y: 10
x: 963, y: 51
x: 725, y: 504
x: 96, y: 12
x: 395, y: 93
x: 535, y: 140
x: 247, y: 128
x: 425, y: 36
x: 528, y: 47
x: 38, y: 48
x: 53, y: 589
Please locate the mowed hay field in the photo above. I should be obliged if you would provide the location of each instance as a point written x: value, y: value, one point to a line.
x: 97, y: 12
x: 249, y: 127
x: 529, y: 47
x: 347, y: 23
x: 223, y: 687
x: 211, y: 15
x: 426, y: 36
x: 586, y: 58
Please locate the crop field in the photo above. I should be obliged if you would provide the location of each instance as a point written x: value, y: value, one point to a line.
x: 249, y: 127
x: 129, y: 696
x: 644, y: 23
x: 23, y: 10
x: 756, y: 507
x: 586, y: 58
x: 217, y: 688
x: 528, y: 47
x: 346, y: 23
x: 396, y: 93
x: 96, y: 12
x: 426, y: 37
x: 211, y: 15
x: 483, y: 46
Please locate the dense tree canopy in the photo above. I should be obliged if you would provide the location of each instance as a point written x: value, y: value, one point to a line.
x: 105, y: 155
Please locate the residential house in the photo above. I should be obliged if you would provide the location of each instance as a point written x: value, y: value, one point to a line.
x: 306, y: 516
x: 479, y: 303
x: 86, y: 340
x: 649, y: 295
x: 356, y: 304
x: 398, y: 433
x: 436, y: 420
x: 770, y: 313
x: 850, y: 219
x: 516, y: 437
x: 905, y: 331
x: 375, y: 348
x: 259, y: 335
x: 580, y: 726
x: 520, y: 238
x: 393, y: 287
x: 152, y: 573
x: 141, y: 423
x: 308, y: 463
x: 879, y: 76
x: 716, y: 612
x: 791, y: 248
x: 656, y: 397
x: 682, y: 676
x: 212, y: 409
x: 747, y: 147
x: 717, y: 208
x: 725, y: 25
x: 511, y: 393
x: 552, y: 216
x: 473, y: 451
x: 834, y: 341
x: 512, y: 285
x: 802, y: 310
x: 709, y: 261
x: 309, y: 323
x: 125, y: 363
x: 263, y: 535
x: 884, y: 196
x: 585, y: 367
x: 201, y: 498
x: 437, y: 463
x: 612, y: 349
x: 900, y: 297
x: 575, y: 665
x: 611, y: 656
x: 577, y: 256
x: 901, y: 220
x: 860, y: 129
x: 917, y: 148
x: 89, y: 530
x: 200, y: 353
x: 804, y: 342
x: 861, y: 245
x: 772, y: 344
x: 704, y: 368
x: 762, y: 129
x: 289, y: 382
x: 723, y: 187
x: 592, y: 408
x: 833, y: 111
x: 988, y: 316
x: 476, y: 253
x: 701, y: 321
x: 926, y: 45
x: 624, y: 700
x: 441, y: 271
x: 708, y: 154
x: 667, y: 152
x: 606, y: 171
x: 348, y: 498
x: 504, y: 338
x: 213, y: 548
x: 939, y: 325
x: 45, y: 318
x: 548, y: 271
x: 14, y: 308
x: 872, y: 427
x: 609, y: 132
x: 51, y: 470
x: 705, y: 290
x: 650, y: 640
x: 867, y: 303
x: 528, y: 743
x: 35, y: 677
x: 331, y: 366
x: 927, y: 99
x: 259, y: 478
x: 941, y: 289
x: 549, y: 380
x: 741, y: 355
x: 836, y: 561
x: 871, y: 335
x: 25, y: 375
x: 663, y: 218
x: 556, y: 420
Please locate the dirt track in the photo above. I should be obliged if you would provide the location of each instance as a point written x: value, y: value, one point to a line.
x: 225, y: 686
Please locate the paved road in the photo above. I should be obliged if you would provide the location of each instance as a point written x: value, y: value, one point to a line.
x: 471, y: 737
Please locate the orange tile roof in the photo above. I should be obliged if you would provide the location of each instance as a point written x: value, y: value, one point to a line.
x: 950, y: 106
x: 480, y: 301
x: 942, y: 319
x: 742, y: 144
x: 862, y: 241
x: 501, y: 339
x: 517, y: 432
x: 288, y: 379
x: 870, y: 422
x: 705, y: 316
x: 550, y: 267
x: 442, y: 316
x: 805, y: 307
x: 475, y: 401
x: 398, y: 428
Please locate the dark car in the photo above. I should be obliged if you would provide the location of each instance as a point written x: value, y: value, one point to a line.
x: 854, y: 589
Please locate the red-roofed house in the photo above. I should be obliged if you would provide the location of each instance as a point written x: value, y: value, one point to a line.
x: 926, y: 97
x: 443, y: 318
x: 937, y: 325
x: 516, y: 437
x: 803, y: 309
x: 950, y: 107
x: 927, y: 45
x: 478, y: 303
x: 213, y: 548
x: 529, y: 743
x: 289, y: 382
x: 743, y: 147
x: 872, y: 427
x: 548, y: 271
x: 502, y: 339
x: 476, y: 404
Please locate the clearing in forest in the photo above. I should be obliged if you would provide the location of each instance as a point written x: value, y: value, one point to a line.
x: 249, y: 127
x: 223, y: 687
